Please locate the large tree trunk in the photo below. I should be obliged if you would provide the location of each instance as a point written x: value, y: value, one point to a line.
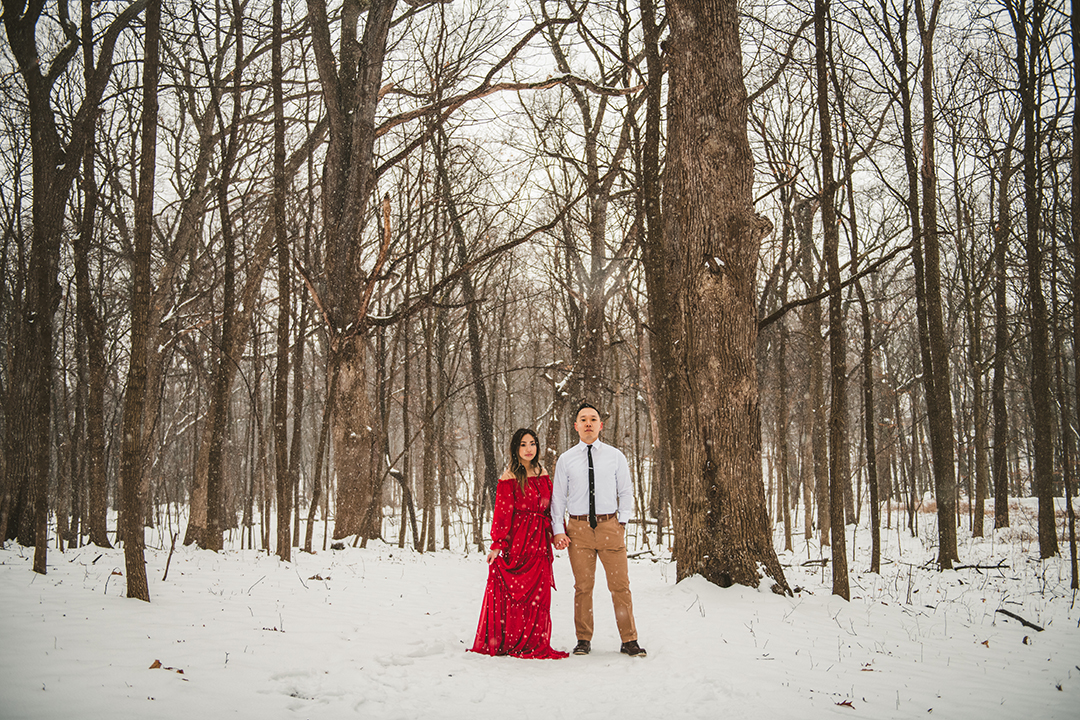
x: 350, y: 90
x: 711, y: 238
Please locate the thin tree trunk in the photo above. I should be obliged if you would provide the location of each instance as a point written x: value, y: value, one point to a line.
x: 429, y: 469
x: 282, y: 482
x: 442, y: 402
x: 219, y: 406
x: 1028, y: 45
x: 92, y: 328
x: 134, y: 395
x: 837, y: 350
x: 975, y: 330
x: 483, y: 408
x: 936, y: 356
x: 1002, y: 231
x: 1075, y: 208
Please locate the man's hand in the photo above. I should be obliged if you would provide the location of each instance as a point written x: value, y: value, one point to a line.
x: 561, y: 541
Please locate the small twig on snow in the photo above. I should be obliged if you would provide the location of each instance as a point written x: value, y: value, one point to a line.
x: 169, y: 560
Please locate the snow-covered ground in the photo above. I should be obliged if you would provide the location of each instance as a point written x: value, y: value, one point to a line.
x: 381, y: 633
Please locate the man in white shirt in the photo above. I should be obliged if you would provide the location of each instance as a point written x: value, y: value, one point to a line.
x: 592, y: 483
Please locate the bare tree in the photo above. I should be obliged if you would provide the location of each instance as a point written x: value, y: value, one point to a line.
x: 722, y: 531
x: 281, y: 241
x: 928, y: 287
x: 1027, y: 24
x: 55, y: 166
x: 1075, y: 217
x: 134, y: 395
x: 91, y: 325
x: 837, y: 350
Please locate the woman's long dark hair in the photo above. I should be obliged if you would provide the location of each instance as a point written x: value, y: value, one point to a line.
x: 519, y: 470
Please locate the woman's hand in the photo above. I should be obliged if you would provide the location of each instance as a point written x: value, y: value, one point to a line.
x: 492, y: 555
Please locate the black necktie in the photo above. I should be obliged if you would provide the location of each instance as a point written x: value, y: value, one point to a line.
x: 592, y: 492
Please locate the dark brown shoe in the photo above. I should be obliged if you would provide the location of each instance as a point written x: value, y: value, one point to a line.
x: 583, y: 647
x: 632, y: 649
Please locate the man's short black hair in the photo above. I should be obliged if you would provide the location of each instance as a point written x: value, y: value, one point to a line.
x: 583, y: 406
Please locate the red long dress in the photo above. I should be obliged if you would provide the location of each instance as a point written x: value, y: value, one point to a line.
x: 516, y: 616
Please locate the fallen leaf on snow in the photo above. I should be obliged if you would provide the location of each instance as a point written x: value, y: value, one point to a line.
x: 157, y: 664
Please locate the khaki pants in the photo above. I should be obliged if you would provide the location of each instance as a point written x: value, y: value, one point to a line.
x: 608, y: 541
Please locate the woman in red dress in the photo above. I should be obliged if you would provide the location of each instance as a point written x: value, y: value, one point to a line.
x: 516, y: 616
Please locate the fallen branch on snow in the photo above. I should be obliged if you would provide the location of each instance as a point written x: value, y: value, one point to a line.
x: 1021, y: 620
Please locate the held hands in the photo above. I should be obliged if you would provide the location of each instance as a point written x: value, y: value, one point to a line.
x: 561, y: 541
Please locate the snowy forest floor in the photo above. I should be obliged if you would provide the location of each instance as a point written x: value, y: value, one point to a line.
x: 381, y: 633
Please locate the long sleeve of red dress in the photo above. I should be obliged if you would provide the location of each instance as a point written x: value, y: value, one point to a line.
x: 516, y: 614
x: 502, y: 517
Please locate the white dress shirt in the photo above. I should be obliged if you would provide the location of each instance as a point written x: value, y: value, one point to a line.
x: 570, y: 486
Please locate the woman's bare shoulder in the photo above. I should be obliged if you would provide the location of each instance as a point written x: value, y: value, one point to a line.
x: 507, y: 475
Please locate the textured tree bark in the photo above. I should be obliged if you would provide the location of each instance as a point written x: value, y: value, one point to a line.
x: 350, y: 89
x: 131, y: 446
x: 711, y: 238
